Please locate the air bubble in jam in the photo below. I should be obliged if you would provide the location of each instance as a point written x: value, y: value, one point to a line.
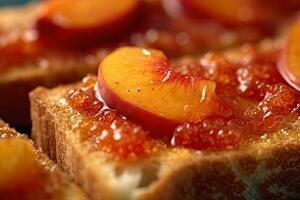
x: 252, y: 101
x: 115, y: 136
x: 146, y: 52
x: 212, y: 134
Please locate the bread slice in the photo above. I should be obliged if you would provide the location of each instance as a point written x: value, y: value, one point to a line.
x: 27, y: 173
x: 264, y: 169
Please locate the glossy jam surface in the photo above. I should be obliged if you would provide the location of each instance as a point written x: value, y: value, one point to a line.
x: 107, y: 130
x: 256, y: 101
x: 251, y: 87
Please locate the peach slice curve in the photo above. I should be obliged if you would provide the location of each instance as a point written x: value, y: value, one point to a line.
x: 289, y: 59
x: 85, y: 19
x: 140, y: 84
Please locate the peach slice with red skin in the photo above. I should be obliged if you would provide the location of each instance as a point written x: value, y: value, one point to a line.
x: 236, y: 12
x: 289, y: 60
x: 140, y: 84
x: 70, y: 21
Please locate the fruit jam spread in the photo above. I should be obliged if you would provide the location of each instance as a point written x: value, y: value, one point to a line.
x: 23, y: 46
x: 257, y: 102
x: 111, y: 132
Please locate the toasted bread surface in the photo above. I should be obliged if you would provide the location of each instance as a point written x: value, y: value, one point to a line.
x: 263, y: 169
x: 27, y: 171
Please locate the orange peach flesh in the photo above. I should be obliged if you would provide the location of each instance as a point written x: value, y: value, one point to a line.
x: 18, y: 163
x: 140, y: 84
x: 231, y: 11
x: 76, y: 14
x: 289, y: 62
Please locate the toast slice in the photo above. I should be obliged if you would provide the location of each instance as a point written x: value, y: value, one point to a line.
x: 27, y: 173
x: 263, y: 169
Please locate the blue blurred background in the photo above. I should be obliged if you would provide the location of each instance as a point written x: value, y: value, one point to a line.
x: 12, y: 2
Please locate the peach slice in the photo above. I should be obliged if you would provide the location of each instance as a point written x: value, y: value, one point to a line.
x: 72, y: 20
x: 18, y: 166
x: 289, y: 60
x: 140, y: 84
x: 237, y: 12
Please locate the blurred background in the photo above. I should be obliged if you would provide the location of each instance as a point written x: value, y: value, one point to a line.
x: 12, y: 2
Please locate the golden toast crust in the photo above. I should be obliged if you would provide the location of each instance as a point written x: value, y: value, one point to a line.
x: 266, y: 169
